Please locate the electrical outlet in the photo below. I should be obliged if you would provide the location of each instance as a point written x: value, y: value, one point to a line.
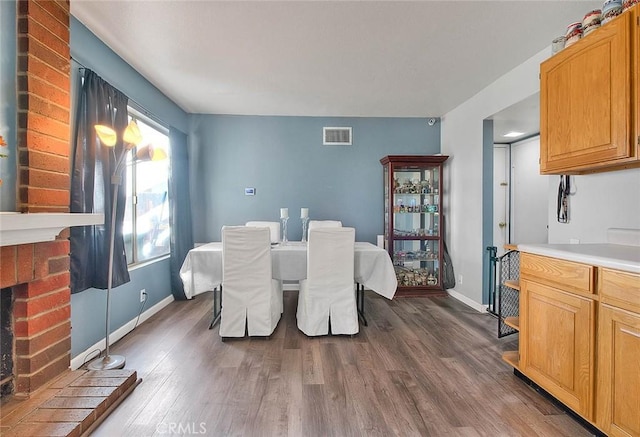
x: 460, y: 279
x: 143, y: 295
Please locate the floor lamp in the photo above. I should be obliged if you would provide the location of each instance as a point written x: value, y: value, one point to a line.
x: 108, y: 137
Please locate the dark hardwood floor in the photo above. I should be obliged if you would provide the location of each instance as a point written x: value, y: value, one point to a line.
x: 423, y: 367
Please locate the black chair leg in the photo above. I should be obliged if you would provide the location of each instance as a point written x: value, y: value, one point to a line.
x: 360, y: 303
x: 217, y: 306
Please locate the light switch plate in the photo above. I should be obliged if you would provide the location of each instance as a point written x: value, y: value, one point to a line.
x: 249, y: 191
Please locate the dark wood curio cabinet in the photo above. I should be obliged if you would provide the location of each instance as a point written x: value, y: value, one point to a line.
x: 413, y: 227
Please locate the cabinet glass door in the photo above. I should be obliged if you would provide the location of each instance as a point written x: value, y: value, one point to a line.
x: 416, y: 262
x: 416, y: 218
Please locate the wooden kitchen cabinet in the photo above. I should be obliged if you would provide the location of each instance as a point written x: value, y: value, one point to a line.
x: 580, y: 339
x: 618, y: 378
x: 557, y: 328
x: 636, y: 79
x: 588, y: 113
x: 557, y: 343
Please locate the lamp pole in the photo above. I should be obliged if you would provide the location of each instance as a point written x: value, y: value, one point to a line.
x: 111, y: 361
x: 132, y: 138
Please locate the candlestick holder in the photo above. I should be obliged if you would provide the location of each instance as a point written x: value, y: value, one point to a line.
x: 284, y: 221
x: 305, y: 222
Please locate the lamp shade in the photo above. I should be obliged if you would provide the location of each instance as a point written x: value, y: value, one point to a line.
x: 107, y: 135
x: 149, y: 152
x: 132, y: 135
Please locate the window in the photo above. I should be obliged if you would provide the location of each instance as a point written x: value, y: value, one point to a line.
x: 146, y: 218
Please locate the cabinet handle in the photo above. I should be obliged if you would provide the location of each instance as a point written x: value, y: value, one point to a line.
x: 626, y: 331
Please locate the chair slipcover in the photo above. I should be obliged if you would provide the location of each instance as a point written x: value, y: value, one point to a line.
x: 274, y: 228
x: 249, y: 293
x: 327, y: 295
x: 313, y: 224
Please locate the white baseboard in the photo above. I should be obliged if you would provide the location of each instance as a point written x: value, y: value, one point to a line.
x: 116, y: 335
x: 465, y: 300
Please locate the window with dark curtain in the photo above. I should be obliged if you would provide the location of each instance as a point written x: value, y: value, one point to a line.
x: 91, y: 188
x: 180, y: 206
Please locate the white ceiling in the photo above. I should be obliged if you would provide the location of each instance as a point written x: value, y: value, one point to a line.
x: 523, y: 117
x: 326, y: 58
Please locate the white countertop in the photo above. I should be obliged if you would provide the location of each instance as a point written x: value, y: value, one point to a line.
x: 614, y: 256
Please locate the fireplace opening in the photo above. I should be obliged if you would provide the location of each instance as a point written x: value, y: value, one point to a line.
x: 6, y: 342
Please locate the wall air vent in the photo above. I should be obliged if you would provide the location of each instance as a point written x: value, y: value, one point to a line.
x: 336, y: 136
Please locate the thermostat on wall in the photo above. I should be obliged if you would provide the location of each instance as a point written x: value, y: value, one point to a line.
x: 249, y: 191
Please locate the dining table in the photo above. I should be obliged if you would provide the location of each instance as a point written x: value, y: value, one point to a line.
x: 201, y: 270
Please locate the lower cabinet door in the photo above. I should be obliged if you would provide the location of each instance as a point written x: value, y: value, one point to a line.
x: 560, y: 345
x: 618, y: 383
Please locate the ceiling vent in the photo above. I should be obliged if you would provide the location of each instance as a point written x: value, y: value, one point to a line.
x: 336, y: 136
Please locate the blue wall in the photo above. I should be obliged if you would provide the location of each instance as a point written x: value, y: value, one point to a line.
x: 88, y: 307
x: 282, y: 157
x: 284, y: 160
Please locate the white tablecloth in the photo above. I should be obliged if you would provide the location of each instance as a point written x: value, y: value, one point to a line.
x: 202, y: 268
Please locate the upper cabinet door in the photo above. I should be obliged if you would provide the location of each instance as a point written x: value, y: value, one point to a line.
x: 585, y: 102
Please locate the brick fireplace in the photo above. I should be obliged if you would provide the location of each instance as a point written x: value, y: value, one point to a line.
x: 38, y: 274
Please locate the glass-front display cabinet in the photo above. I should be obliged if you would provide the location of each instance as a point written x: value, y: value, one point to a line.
x: 413, y: 222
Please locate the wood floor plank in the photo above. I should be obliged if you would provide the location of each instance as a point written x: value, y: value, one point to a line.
x: 291, y: 394
x: 311, y: 362
x: 314, y: 412
x: 423, y: 367
x: 365, y: 415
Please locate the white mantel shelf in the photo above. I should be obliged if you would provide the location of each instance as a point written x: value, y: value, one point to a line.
x: 17, y: 228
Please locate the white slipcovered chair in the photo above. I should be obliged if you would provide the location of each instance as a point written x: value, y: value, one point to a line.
x: 327, y: 296
x: 314, y: 224
x: 274, y: 228
x: 250, y: 296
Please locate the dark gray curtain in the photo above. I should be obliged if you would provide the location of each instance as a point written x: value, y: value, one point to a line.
x: 91, y: 189
x: 180, y: 209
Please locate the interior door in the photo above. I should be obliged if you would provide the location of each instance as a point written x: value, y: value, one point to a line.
x: 500, y: 196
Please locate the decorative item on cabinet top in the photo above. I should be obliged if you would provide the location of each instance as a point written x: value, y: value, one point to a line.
x: 626, y: 4
x: 591, y: 21
x: 610, y: 10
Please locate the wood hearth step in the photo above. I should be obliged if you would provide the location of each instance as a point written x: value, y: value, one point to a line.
x: 72, y: 405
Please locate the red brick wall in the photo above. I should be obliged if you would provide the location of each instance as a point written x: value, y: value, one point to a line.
x: 43, y: 106
x: 39, y: 273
